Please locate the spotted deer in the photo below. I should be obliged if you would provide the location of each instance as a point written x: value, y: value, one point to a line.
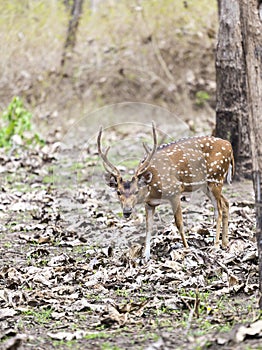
x: 200, y: 162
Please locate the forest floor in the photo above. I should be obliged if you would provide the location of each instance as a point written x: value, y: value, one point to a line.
x: 71, y: 273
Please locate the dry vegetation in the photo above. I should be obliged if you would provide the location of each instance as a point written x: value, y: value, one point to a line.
x: 160, y: 53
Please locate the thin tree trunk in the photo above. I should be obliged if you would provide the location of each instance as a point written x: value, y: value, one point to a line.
x: 70, y: 41
x: 231, y: 109
x: 251, y: 25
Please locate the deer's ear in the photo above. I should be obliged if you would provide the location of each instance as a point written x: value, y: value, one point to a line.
x: 145, y: 179
x: 110, y: 180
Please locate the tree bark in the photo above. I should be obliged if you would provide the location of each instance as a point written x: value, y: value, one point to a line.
x: 232, y: 109
x: 76, y: 12
x: 251, y: 26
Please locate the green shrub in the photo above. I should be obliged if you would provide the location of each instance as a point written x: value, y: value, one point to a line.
x: 17, y: 121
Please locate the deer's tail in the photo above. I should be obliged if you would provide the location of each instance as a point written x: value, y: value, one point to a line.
x: 231, y: 169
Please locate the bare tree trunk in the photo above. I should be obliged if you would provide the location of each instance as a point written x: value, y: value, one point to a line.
x: 232, y: 109
x: 251, y: 25
x: 70, y: 41
x: 219, y: 7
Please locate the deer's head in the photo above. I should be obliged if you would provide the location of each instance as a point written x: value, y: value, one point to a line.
x: 133, y: 191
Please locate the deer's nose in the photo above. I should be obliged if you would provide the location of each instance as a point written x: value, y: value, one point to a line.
x: 127, y: 212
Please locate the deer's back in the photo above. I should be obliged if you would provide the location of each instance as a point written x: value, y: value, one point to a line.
x: 189, y: 163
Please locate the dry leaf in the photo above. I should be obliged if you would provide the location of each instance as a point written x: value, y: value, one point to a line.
x: 254, y: 329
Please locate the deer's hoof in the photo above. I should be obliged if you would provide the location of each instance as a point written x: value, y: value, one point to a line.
x: 146, y: 258
x: 225, y: 245
x: 216, y: 246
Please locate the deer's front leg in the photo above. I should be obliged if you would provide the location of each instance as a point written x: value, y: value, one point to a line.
x: 149, y: 228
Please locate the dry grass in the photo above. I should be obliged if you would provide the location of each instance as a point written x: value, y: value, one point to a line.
x: 124, y: 52
x: 31, y: 35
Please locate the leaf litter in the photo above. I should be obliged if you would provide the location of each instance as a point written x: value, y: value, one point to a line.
x: 71, y: 268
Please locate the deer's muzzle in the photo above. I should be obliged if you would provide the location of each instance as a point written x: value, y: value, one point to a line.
x: 127, y: 212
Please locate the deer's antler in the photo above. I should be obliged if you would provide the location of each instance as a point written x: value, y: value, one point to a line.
x: 146, y: 162
x: 109, y: 167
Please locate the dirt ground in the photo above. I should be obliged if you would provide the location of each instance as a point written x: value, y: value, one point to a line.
x: 71, y: 273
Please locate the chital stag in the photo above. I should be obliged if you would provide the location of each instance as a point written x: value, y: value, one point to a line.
x: 170, y: 169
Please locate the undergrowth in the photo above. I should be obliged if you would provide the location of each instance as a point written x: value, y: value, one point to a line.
x: 17, y: 121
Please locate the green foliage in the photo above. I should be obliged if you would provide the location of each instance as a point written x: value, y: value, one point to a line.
x: 17, y: 121
x: 108, y: 346
x: 41, y: 316
x: 122, y: 292
x: 97, y: 335
x: 202, y: 97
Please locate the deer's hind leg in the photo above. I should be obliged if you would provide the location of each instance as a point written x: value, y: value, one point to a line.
x: 225, y: 217
x: 221, y: 205
x: 176, y: 207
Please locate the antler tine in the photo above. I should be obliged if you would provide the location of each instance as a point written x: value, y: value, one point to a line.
x: 107, y: 164
x: 147, y: 149
x: 145, y: 164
